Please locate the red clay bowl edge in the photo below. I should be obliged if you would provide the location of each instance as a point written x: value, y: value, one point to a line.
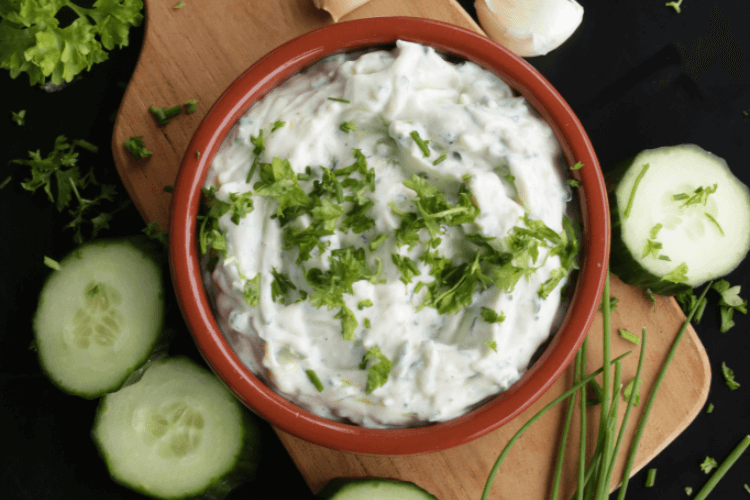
x: 289, y: 59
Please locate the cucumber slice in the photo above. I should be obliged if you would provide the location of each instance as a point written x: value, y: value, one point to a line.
x: 680, y: 218
x: 367, y: 489
x: 99, y: 316
x: 176, y: 433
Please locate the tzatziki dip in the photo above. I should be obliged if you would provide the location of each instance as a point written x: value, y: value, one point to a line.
x: 385, y: 237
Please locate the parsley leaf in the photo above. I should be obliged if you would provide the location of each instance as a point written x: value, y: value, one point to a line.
x: 280, y: 286
x: 35, y: 44
x: 652, y: 248
x: 491, y: 316
x: 729, y: 377
x: 729, y: 302
x: 69, y: 187
x: 240, y: 205
x: 137, y: 147
x: 377, y: 373
x: 678, y: 274
x: 51, y: 263
x: 407, y: 267
x: 190, y: 106
x: 154, y: 231
x: 18, y: 117
x: 347, y: 127
x: 251, y: 292
x: 348, y: 323
x: 708, y: 465
x: 491, y: 344
x: 628, y: 391
x: 210, y: 236
x: 277, y: 125
x: 278, y: 180
x: 577, y: 166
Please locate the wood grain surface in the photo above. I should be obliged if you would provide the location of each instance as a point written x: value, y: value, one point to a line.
x: 194, y: 53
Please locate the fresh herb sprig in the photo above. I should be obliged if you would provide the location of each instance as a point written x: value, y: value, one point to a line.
x: 91, y: 204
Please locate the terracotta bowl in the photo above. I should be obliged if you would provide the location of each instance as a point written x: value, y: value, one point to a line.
x: 284, y: 62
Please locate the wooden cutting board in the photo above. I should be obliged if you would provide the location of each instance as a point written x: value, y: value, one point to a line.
x: 194, y: 53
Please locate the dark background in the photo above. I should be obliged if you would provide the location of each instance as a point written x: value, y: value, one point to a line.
x: 638, y: 74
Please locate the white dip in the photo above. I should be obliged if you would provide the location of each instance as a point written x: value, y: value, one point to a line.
x: 481, y: 137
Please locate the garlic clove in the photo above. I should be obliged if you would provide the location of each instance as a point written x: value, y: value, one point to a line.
x: 338, y: 8
x: 529, y: 27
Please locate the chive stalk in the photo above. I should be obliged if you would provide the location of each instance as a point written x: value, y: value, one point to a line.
x: 632, y: 191
x: 539, y: 414
x: 723, y: 468
x: 566, y: 430
x: 651, y: 478
x: 652, y: 397
x: 582, y: 439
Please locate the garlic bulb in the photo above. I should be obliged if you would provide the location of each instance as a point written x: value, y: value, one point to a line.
x: 338, y: 8
x: 529, y: 27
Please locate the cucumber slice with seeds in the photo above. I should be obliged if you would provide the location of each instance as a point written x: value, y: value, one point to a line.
x: 374, y: 488
x: 680, y: 218
x: 176, y: 433
x: 99, y: 316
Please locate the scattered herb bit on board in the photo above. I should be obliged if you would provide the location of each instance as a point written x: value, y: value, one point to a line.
x: 137, y: 147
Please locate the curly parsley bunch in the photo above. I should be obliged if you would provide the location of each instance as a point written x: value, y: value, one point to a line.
x: 32, y: 41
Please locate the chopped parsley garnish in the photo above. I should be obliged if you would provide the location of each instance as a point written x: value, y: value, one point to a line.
x: 162, y: 115
x: 377, y: 373
x: 629, y: 206
x: 729, y: 377
x: 628, y: 391
x: 423, y: 145
x: 708, y: 465
x: 72, y: 188
x: 277, y: 125
x: 687, y: 300
x: 364, y: 303
x: 655, y: 231
x: 51, y: 263
x: 179, y: 5
x: 490, y: 316
x: 491, y: 344
x: 374, y: 244
x: 348, y: 323
x: 280, y: 286
x: 240, y: 205
x: 154, y: 231
x: 407, y: 267
x: 652, y: 248
x: 577, y: 166
x: 190, y: 106
x: 210, y: 236
x: 347, y: 127
x: 698, y: 197
x: 678, y: 274
x: 18, y: 117
x: 5, y: 182
x: 688, y: 490
x: 137, y: 147
x: 251, y: 292
x: 315, y: 380
x: 440, y: 159
x: 339, y: 100
x: 630, y: 337
x: 710, y: 408
x: 197, y: 154
x: 278, y: 180
x: 612, y: 304
x: 675, y: 5
x: 366, y: 322
x: 574, y: 183
x: 729, y: 302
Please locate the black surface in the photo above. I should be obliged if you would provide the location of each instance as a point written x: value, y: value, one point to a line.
x: 638, y: 74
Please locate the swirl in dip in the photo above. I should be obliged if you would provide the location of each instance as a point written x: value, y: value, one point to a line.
x: 389, y: 237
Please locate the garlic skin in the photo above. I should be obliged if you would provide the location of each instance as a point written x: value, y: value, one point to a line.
x: 338, y: 8
x: 529, y: 27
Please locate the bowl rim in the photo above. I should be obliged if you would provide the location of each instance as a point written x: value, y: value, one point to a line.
x: 267, y: 73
